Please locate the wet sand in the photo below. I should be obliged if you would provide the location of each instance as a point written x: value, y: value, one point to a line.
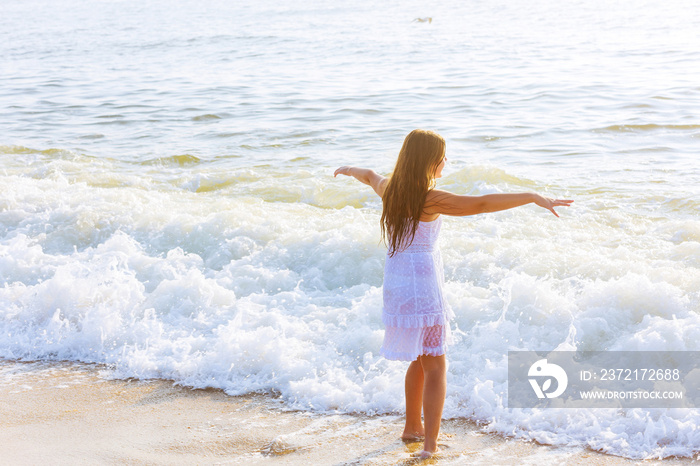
x: 67, y: 413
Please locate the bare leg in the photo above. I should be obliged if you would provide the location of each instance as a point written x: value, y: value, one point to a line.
x: 434, y: 391
x: 414, y: 402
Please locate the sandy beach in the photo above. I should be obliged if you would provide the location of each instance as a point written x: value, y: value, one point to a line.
x: 68, y: 413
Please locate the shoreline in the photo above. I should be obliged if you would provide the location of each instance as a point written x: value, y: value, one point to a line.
x: 67, y: 413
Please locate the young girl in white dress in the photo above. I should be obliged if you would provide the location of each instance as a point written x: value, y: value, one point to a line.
x: 415, y: 314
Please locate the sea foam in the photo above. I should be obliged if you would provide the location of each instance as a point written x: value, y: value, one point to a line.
x: 222, y: 289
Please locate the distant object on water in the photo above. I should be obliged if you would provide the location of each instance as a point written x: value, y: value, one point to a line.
x: 423, y: 20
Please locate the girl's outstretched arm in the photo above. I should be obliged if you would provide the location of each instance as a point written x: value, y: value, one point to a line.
x: 366, y: 176
x: 444, y: 202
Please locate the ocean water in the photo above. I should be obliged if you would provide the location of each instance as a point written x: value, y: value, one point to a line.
x: 167, y: 204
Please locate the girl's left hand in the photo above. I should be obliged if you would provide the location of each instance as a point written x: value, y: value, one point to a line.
x: 342, y: 171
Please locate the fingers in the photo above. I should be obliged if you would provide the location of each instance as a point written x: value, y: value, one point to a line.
x: 559, y: 203
x: 341, y: 171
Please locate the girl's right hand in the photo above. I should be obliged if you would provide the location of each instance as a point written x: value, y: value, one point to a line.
x: 550, y: 204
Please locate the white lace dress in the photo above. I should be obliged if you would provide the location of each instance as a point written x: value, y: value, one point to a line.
x: 415, y: 313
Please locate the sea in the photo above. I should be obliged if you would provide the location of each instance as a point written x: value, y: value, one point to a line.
x: 168, y: 207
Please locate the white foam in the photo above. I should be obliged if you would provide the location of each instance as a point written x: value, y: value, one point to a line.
x: 232, y: 292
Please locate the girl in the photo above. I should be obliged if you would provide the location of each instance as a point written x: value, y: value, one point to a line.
x: 415, y: 314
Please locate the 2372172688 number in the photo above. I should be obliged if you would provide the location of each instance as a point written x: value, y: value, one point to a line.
x: 640, y: 374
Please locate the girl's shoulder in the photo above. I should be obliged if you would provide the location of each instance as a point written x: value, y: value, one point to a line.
x: 380, y: 187
x: 432, y: 201
x: 435, y: 197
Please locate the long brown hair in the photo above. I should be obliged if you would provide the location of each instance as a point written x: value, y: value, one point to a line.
x: 413, y: 177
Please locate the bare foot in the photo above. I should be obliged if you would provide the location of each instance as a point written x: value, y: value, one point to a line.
x: 424, y: 455
x: 413, y: 435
